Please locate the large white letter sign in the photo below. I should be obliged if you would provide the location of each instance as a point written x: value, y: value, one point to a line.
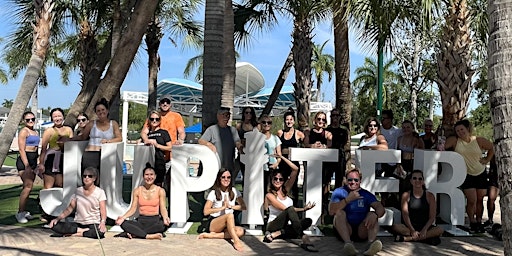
x: 55, y: 200
x: 181, y: 182
x: 111, y: 178
x: 452, y: 201
x: 366, y: 160
x: 254, y: 158
x: 313, y: 175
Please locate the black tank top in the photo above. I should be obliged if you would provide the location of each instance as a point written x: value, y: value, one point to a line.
x: 315, y: 136
x: 291, y: 143
x: 418, y: 210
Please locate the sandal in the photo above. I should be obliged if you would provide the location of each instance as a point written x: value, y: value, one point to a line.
x: 268, y: 237
x: 309, y: 247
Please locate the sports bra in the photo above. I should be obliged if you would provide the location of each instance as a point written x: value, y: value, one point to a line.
x: 317, y: 136
x: 96, y: 135
x: 32, y: 140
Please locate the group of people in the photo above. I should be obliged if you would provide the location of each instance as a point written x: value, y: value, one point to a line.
x: 350, y: 204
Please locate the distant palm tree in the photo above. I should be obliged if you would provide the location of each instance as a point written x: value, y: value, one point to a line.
x: 7, y: 103
x: 321, y: 63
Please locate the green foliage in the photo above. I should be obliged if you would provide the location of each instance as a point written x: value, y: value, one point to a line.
x: 480, y: 117
x: 136, y: 119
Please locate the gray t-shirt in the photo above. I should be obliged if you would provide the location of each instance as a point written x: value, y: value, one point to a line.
x: 224, y: 140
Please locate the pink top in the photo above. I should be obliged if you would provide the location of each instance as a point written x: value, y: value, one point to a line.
x: 88, y: 207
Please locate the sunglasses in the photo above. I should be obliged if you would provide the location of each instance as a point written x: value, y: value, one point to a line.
x: 278, y: 179
x: 353, y: 179
x: 417, y: 178
x: 266, y: 122
x: 165, y: 101
x: 87, y: 176
x: 321, y: 119
x: 225, y: 177
x: 154, y: 119
x: 81, y: 120
x: 33, y: 119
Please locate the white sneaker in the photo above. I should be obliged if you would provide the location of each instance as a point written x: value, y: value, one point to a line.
x: 28, y: 216
x: 20, y: 217
x: 375, y: 247
x: 349, y: 249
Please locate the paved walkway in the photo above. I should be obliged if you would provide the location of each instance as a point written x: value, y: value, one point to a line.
x: 16, y: 240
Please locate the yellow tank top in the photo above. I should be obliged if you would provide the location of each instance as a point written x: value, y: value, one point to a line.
x: 52, y: 142
x: 472, y: 154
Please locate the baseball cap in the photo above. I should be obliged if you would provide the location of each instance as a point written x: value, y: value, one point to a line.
x: 165, y: 96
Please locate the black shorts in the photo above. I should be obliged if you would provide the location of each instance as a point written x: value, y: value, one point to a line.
x: 493, y: 177
x: 91, y: 159
x: 48, y: 164
x: 478, y: 182
x: 32, y: 161
x: 207, y: 224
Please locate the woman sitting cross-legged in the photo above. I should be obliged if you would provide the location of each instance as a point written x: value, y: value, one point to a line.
x: 220, y: 205
x: 418, y: 214
x: 91, y: 211
x: 149, y: 200
x: 281, y: 210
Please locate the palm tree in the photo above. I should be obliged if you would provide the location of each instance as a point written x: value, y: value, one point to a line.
x: 7, y: 103
x: 500, y: 86
x: 321, y: 63
x: 213, y: 61
x: 41, y: 29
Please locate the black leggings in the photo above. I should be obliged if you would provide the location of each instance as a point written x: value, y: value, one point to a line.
x: 144, y: 225
x: 295, y: 230
x: 69, y: 228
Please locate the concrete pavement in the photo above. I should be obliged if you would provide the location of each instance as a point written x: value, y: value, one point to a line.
x: 16, y: 240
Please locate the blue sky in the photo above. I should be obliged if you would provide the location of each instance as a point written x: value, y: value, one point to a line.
x: 267, y: 53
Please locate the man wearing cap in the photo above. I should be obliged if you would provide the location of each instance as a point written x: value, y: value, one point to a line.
x: 223, y: 139
x: 172, y: 122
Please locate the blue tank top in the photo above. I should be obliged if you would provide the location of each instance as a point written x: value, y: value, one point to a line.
x: 32, y: 140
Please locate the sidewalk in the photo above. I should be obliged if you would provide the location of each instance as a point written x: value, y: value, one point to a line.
x: 16, y: 240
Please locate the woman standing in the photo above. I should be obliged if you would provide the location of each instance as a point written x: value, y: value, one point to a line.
x: 161, y: 140
x: 249, y: 123
x: 28, y: 143
x: 475, y: 185
x: 418, y: 214
x: 318, y: 137
x: 281, y: 211
x: 149, y: 201
x: 219, y: 207
x: 52, y: 149
x: 100, y: 131
x: 272, y: 146
x: 81, y: 121
x: 407, y: 142
x: 372, y: 138
x: 89, y: 205
x: 290, y: 138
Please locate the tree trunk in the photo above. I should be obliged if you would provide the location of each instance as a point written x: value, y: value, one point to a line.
x: 123, y: 57
x: 283, y: 75
x: 153, y: 40
x: 35, y: 101
x: 454, y: 70
x: 342, y: 71
x: 228, y: 85
x: 117, y: 30
x: 302, y: 52
x: 42, y: 28
x: 500, y: 88
x: 213, y: 60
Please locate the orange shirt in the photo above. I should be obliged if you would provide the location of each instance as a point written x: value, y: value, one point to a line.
x: 149, y: 207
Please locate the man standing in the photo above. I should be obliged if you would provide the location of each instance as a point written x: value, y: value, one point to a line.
x: 353, y: 219
x: 173, y: 123
x: 223, y: 139
x: 391, y: 133
x: 339, y: 141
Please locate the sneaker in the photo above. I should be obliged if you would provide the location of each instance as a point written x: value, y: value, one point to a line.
x: 20, y: 217
x: 349, y: 249
x: 28, y: 216
x: 375, y: 247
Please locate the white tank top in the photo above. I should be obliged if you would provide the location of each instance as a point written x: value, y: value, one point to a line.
x: 273, y: 212
x: 371, y: 142
x: 96, y: 135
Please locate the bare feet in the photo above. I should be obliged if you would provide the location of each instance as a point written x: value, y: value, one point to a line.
x: 156, y: 236
x: 202, y: 236
x: 238, y: 246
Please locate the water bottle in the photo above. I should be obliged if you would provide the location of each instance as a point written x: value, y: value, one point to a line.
x: 190, y: 171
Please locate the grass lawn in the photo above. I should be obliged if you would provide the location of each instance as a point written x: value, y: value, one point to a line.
x: 10, y: 160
